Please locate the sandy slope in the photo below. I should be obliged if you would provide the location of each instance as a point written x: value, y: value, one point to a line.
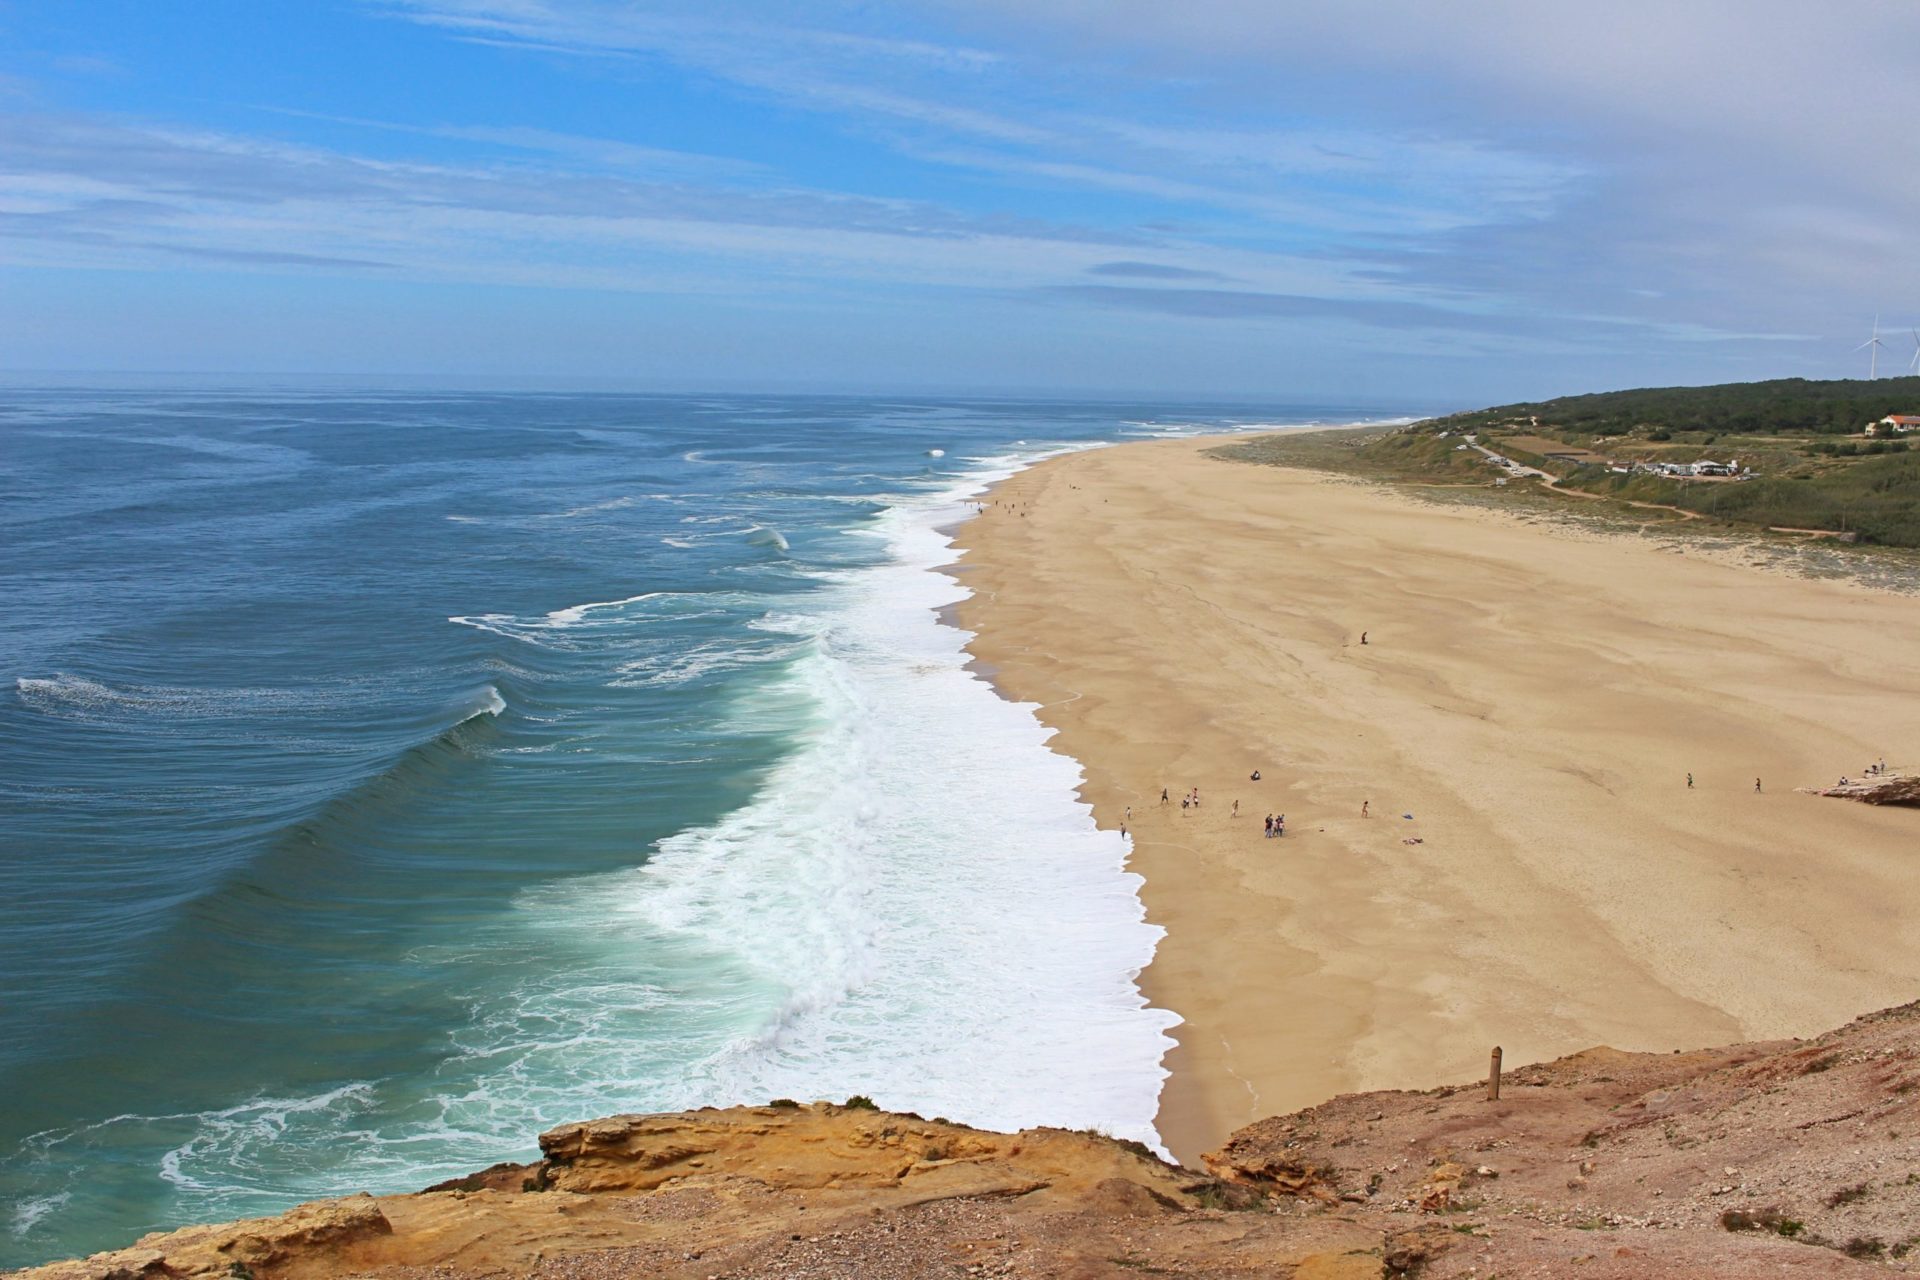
x: 1534, y: 699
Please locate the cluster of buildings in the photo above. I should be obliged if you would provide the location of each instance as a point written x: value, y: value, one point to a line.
x: 1683, y: 470
x: 1895, y: 424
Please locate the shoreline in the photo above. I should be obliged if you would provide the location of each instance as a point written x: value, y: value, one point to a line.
x: 1533, y: 700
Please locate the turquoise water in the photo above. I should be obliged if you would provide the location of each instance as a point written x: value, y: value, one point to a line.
x: 386, y: 777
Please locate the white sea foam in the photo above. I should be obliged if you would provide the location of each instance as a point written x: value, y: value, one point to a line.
x: 611, y: 504
x: 915, y: 906
x: 228, y: 1140
x: 569, y: 616
x: 681, y: 665
x: 762, y: 536
x: 30, y: 1210
x: 226, y: 1157
x: 488, y: 703
x: 83, y: 698
x: 551, y: 630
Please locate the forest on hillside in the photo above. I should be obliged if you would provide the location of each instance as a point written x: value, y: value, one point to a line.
x: 1792, y: 406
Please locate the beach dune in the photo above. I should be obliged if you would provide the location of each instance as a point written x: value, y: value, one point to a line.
x: 1535, y: 871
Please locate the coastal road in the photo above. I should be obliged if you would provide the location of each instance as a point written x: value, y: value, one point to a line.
x: 1518, y: 469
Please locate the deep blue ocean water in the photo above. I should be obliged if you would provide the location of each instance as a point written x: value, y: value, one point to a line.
x: 385, y: 777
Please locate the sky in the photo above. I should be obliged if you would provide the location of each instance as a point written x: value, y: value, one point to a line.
x: 1363, y: 201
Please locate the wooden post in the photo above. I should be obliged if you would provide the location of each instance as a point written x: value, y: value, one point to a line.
x: 1493, y: 1077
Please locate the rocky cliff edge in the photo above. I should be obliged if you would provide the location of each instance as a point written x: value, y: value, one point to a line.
x: 1789, y: 1158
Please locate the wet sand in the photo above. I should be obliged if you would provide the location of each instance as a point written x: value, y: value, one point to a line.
x: 1533, y: 698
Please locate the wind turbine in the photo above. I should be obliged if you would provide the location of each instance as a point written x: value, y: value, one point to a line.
x: 1872, y: 347
x: 1913, y: 365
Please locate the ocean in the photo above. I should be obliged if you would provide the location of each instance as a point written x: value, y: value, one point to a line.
x: 386, y: 776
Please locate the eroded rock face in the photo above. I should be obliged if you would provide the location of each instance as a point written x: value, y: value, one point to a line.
x: 745, y: 1191
x: 254, y: 1246
x: 1790, y: 1158
x: 1885, y: 788
x: 1258, y: 1165
x: 790, y: 1147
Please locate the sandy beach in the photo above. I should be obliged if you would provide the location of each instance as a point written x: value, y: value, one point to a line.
x: 1533, y: 699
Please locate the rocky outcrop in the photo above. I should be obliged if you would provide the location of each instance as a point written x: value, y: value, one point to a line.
x: 1788, y: 1158
x: 808, y: 1148
x: 1880, y: 788
x: 256, y: 1246
x: 749, y: 1191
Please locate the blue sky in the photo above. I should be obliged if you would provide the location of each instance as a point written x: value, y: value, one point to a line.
x: 1389, y: 201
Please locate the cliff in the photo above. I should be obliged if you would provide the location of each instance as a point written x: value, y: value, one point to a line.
x: 1784, y: 1158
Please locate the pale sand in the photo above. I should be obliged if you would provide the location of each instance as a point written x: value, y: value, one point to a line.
x: 1535, y: 700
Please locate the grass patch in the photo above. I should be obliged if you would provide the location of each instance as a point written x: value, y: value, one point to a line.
x: 1139, y: 1264
x: 1133, y: 1145
x: 1762, y: 1220
x: 1847, y: 1195
x: 1229, y: 1196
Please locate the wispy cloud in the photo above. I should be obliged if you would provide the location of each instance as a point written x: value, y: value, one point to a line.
x: 126, y: 192
x: 1241, y: 304
x: 1151, y: 271
x: 1378, y: 313
x: 924, y: 98
x: 578, y: 149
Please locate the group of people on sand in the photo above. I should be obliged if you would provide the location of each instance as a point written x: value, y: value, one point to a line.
x: 1191, y: 800
x: 1871, y: 771
x: 1275, y: 825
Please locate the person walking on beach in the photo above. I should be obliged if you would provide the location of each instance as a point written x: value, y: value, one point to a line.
x: 1689, y: 782
x: 1363, y: 637
x: 1269, y: 834
x: 1363, y: 808
x: 1236, y: 808
x: 1163, y: 795
x: 1280, y: 826
x: 1756, y: 786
